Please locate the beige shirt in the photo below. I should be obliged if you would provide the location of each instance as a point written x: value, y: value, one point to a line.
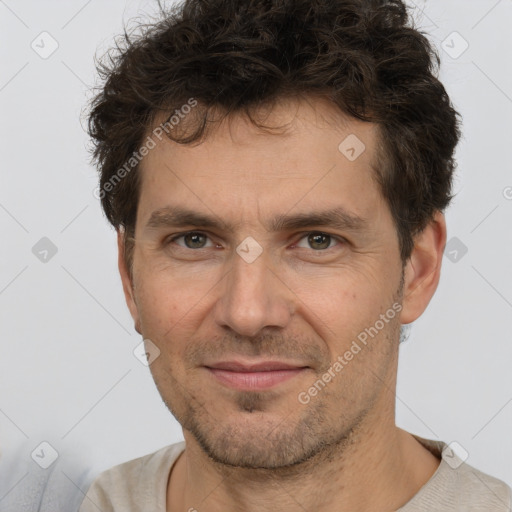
x: 141, y: 485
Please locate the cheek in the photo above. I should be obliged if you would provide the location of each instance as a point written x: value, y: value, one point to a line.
x: 339, y: 296
x: 162, y: 307
x: 340, y: 308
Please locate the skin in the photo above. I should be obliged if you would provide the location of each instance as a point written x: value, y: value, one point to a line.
x: 298, y: 302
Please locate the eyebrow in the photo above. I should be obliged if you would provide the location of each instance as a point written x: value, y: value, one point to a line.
x: 336, y: 218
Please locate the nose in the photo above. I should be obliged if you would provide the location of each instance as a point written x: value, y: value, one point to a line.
x: 253, y: 297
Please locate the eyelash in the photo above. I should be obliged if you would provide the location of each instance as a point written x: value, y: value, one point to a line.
x: 340, y: 240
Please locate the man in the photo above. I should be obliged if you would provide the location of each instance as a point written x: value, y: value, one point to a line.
x: 277, y: 173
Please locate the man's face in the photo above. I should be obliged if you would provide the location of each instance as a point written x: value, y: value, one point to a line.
x: 211, y: 300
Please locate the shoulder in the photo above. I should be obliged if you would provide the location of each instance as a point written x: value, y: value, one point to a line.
x: 138, y: 481
x: 457, y: 485
x: 479, y: 491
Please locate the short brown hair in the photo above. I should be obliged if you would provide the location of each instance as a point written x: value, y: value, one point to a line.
x: 233, y: 56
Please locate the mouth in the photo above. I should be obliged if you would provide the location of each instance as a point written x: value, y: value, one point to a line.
x: 254, y: 376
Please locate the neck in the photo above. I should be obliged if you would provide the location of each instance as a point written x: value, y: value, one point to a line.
x: 379, y: 467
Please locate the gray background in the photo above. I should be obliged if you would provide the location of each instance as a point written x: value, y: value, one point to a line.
x: 68, y: 375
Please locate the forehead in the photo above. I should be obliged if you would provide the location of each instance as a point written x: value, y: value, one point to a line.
x: 315, y: 155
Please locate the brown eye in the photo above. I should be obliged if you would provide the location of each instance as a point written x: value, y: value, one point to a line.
x: 318, y: 241
x: 192, y: 240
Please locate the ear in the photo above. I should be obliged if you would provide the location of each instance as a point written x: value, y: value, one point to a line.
x: 127, y: 281
x: 423, y: 269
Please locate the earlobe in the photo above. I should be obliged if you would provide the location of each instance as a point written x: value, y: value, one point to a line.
x: 423, y: 269
x: 127, y: 281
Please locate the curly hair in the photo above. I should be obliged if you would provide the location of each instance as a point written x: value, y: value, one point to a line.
x: 233, y: 56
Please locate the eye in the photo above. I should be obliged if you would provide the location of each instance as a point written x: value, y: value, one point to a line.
x: 319, y: 241
x: 191, y: 239
x: 316, y: 240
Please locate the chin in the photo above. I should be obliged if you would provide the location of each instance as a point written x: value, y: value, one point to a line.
x: 259, y: 440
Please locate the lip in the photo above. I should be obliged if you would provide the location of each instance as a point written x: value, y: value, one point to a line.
x: 262, y: 366
x: 254, y: 376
